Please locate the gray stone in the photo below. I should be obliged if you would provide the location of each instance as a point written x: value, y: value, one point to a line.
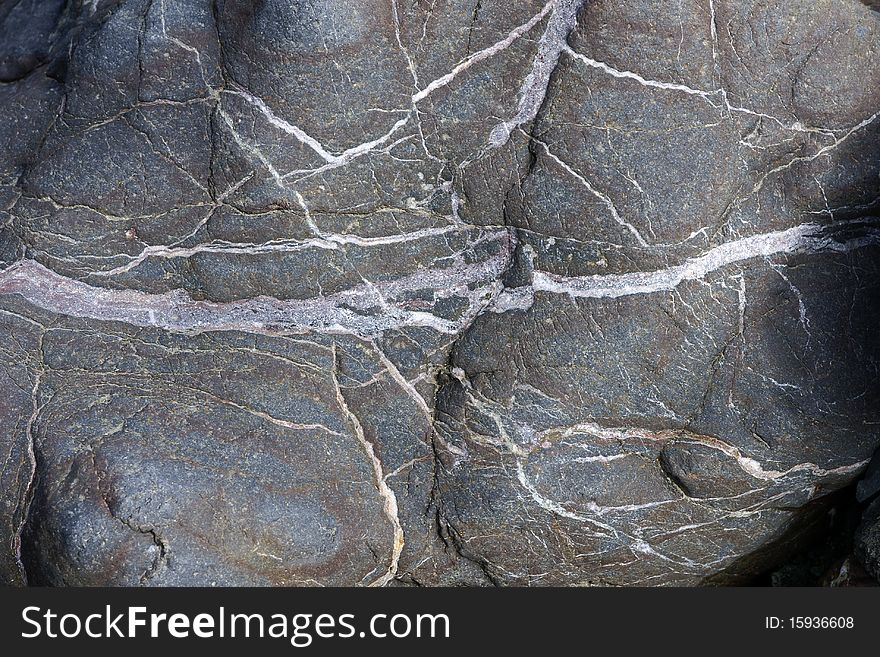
x: 399, y: 292
x: 867, y: 545
x: 869, y: 484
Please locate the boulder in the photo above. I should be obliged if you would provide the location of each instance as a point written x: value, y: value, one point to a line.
x: 377, y: 292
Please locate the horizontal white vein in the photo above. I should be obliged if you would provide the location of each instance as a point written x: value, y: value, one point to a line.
x: 327, y: 241
x: 805, y: 238
x: 366, y: 310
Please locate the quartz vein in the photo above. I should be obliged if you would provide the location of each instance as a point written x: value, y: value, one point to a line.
x: 808, y: 238
x: 366, y: 310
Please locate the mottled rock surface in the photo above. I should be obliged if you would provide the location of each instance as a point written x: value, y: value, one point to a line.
x: 433, y: 291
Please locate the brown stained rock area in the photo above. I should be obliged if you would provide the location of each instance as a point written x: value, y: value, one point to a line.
x: 434, y: 292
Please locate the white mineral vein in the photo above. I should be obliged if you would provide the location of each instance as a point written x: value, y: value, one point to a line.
x: 385, y: 491
x: 606, y: 530
x: 284, y: 126
x: 564, y: 16
x: 808, y: 238
x: 707, y: 95
x: 604, y: 198
x: 629, y: 75
x: 371, y: 308
x: 752, y: 467
x: 365, y: 310
x: 534, y: 88
x: 480, y: 55
x: 328, y: 241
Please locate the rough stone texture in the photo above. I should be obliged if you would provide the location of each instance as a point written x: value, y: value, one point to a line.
x: 869, y: 485
x: 432, y: 291
x: 866, y: 552
x: 868, y: 540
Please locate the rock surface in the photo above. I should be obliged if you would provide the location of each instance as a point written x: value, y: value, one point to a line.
x: 868, y: 540
x: 432, y: 291
x: 867, y: 535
